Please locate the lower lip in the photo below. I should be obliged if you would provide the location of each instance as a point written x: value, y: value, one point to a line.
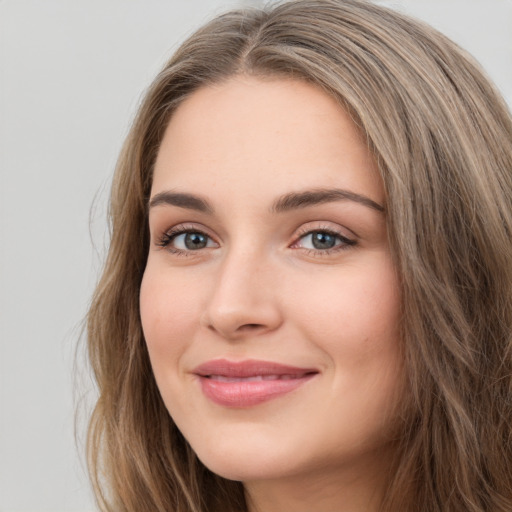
x: 249, y: 393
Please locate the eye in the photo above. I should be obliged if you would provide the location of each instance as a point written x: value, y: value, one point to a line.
x: 192, y: 241
x: 323, y: 240
x: 186, y: 240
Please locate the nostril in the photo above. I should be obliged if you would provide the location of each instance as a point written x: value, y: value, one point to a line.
x: 249, y: 327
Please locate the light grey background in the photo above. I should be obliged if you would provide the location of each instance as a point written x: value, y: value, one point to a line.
x: 71, y: 75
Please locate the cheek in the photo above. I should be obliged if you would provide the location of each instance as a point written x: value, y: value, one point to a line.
x: 352, y: 311
x: 168, y: 312
x: 354, y: 319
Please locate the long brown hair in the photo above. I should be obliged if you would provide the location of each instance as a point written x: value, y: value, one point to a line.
x: 442, y: 137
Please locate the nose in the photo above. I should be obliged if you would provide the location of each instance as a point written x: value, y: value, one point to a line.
x: 243, y: 301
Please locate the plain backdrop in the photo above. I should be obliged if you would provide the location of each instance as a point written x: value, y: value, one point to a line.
x: 71, y: 75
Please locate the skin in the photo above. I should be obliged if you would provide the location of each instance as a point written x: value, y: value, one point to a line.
x: 260, y: 289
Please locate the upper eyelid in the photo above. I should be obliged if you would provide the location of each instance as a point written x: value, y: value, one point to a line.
x: 188, y: 228
x: 305, y: 229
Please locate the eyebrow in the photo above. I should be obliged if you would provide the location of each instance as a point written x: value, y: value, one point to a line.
x: 182, y: 200
x: 295, y: 200
x: 291, y: 201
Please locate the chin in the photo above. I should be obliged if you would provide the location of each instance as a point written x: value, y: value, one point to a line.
x: 244, y: 461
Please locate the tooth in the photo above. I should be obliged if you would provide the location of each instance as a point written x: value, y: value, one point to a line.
x: 255, y: 378
x: 222, y: 378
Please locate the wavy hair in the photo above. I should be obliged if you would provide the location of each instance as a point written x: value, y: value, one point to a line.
x: 442, y: 137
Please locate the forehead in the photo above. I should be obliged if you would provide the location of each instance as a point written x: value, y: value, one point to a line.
x: 246, y: 134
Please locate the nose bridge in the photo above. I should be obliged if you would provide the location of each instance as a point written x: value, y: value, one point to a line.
x: 243, y: 298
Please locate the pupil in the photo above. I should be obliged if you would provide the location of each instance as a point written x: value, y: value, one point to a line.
x: 323, y: 240
x: 195, y: 241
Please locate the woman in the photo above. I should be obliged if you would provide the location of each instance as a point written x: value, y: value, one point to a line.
x: 307, y: 302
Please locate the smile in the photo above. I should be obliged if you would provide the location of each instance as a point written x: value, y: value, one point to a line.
x: 222, y: 378
x: 249, y: 383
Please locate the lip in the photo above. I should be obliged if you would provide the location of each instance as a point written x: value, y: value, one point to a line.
x: 250, y: 382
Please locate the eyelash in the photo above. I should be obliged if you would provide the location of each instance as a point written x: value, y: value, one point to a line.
x: 346, y: 243
x: 168, y: 237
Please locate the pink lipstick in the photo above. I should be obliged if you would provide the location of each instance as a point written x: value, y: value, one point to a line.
x: 250, y: 382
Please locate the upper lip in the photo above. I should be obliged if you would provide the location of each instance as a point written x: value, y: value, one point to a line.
x: 249, y: 368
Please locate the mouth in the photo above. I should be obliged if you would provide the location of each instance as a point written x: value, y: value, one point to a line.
x: 248, y: 383
x: 255, y: 378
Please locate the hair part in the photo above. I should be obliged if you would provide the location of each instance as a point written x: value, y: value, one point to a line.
x: 442, y: 137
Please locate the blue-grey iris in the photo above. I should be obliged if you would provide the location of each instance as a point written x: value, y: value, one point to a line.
x: 323, y: 240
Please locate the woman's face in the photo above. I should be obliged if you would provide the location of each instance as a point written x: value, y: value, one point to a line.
x: 270, y: 303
